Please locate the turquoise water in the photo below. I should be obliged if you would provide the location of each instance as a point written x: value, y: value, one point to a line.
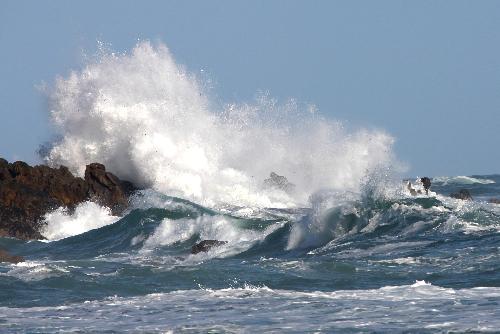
x: 365, y: 263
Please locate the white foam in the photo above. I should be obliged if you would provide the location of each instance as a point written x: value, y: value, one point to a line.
x: 416, y: 308
x: 150, y: 121
x: 87, y: 216
x: 35, y: 271
x: 403, y: 260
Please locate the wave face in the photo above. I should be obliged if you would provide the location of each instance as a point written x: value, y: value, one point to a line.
x: 150, y: 121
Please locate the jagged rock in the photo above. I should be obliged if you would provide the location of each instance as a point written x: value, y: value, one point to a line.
x: 27, y: 193
x: 279, y: 182
x: 106, y: 188
x: 463, y: 194
x: 206, y: 245
x: 6, y: 257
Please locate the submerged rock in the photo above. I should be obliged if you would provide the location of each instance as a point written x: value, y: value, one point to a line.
x: 279, y: 182
x: 6, y: 257
x: 206, y: 245
x: 463, y: 194
x: 27, y: 193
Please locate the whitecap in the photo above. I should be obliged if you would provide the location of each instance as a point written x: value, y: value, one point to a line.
x: 61, y: 223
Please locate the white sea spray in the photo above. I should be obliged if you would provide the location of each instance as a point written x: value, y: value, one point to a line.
x: 61, y: 223
x: 150, y: 121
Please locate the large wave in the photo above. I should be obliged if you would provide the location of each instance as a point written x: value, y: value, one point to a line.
x: 150, y: 121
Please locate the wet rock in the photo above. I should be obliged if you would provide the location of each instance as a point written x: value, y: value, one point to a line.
x: 494, y: 200
x: 206, y: 245
x: 426, y: 183
x: 6, y: 257
x: 106, y: 188
x: 463, y: 194
x: 27, y: 193
x: 279, y: 182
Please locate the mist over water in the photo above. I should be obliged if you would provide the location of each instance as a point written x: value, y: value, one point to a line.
x: 150, y: 121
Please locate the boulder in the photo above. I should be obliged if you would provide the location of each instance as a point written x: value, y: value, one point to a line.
x: 206, y: 245
x: 28, y: 193
x: 6, y: 257
x: 463, y: 194
x: 106, y: 188
x: 279, y: 182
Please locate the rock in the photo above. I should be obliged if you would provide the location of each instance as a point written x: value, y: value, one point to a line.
x: 426, y: 182
x: 106, y: 188
x: 279, y: 182
x: 494, y: 200
x: 463, y: 194
x: 27, y: 193
x: 206, y: 245
x: 6, y: 257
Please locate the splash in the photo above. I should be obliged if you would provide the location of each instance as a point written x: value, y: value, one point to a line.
x: 87, y: 216
x: 150, y: 121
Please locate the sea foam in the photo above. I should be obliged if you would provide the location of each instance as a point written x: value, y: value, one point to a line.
x: 151, y: 121
x: 61, y: 223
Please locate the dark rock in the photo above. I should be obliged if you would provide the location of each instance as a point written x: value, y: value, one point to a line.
x: 426, y: 182
x: 463, y: 194
x: 6, y: 257
x: 494, y: 200
x: 27, y: 193
x: 206, y: 245
x: 279, y: 182
x: 106, y: 188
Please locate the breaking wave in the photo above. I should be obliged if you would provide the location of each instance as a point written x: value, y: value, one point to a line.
x: 61, y: 223
x: 151, y: 121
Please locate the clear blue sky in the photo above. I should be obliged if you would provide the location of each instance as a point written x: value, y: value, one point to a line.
x: 428, y: 72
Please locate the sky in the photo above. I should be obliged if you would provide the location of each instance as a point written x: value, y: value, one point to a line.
x: 427, y: 72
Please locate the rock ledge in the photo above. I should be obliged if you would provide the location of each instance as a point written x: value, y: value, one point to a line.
x: 27, y: 193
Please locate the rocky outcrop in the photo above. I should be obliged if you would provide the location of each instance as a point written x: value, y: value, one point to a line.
x: 206, y: 245
x: 463, y: 194
x: 27, y: 193
x: 6, y: 257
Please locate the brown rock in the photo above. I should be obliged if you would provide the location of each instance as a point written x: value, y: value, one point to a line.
x: 6, y: 257
x: 106, y: 188
x: 27, y: 193
x: 206, y: 245
x: 494, y: 200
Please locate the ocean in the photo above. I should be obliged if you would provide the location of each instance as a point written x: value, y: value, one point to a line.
x: 412, y: 264
x: 337, y: 245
